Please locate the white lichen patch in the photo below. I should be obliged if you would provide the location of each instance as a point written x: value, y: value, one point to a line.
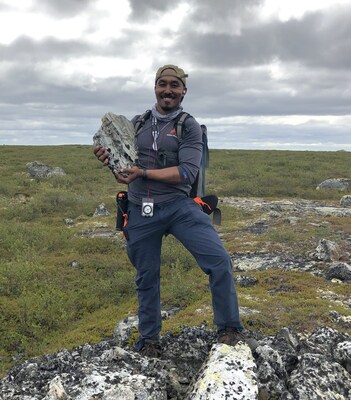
x: 228, y: 374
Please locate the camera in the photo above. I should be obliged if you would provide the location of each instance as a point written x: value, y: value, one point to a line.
x: 147, y: 207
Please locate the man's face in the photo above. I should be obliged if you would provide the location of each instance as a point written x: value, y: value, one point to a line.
x: 169, y: 92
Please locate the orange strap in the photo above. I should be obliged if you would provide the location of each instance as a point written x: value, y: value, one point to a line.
x: 199, y: 201
x: 125, y: 217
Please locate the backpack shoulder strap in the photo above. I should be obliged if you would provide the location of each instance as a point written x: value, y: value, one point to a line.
x: 179, y: 122
x: 141, y: 120
x: 198, y: 187
x: 206, y: 153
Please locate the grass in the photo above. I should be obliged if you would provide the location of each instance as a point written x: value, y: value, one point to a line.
x: 275, y: 173
x: 296, y: 300
x: 60, y: 288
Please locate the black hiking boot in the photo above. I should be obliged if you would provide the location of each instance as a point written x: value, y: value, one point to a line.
x: 232, y: 336
x: 151, y: 348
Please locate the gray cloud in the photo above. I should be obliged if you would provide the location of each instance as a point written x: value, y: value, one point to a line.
x: 62, y: 8
x: 313, y: 137
x: 223, y: 14
x: 212, y: 15
x: 34, y: 51
x: 145, y: 9
x: 318, y: 40
x: 225, y: 48
x: 250, y: 92
x: 25, y: 48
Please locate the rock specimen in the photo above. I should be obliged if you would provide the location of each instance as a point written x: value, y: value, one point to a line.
x: 117, y: 134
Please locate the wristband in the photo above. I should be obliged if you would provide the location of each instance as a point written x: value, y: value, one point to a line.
x: 144, y: 177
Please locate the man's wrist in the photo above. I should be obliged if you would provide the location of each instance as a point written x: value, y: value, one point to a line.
x: 144, y: 175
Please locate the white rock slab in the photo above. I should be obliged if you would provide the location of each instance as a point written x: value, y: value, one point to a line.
x: 228, y: 374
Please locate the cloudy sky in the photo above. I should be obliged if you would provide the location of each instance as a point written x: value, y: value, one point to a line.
x: 263, y: 74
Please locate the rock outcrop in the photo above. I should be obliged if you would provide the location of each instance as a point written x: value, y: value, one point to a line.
x: 285, y: 366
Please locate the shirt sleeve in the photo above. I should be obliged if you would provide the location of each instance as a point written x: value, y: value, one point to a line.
x: 190, y: 151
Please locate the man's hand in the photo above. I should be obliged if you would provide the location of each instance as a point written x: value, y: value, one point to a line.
x: 102, y: 154
x: 127, y: 175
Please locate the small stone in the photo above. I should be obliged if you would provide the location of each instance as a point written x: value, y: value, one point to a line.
x: 345, y: 201
x: 101, y: 211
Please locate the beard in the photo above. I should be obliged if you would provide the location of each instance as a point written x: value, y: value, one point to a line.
x: 168, y: 107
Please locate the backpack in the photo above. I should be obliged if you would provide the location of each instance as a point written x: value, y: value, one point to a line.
x: 208, y: 203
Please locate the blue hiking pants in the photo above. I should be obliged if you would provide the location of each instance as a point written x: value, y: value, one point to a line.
x: 184, y: 219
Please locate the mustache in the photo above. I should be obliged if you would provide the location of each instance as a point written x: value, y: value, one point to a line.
x: 168, y: 96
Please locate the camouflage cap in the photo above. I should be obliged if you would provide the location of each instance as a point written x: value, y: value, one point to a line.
x: 176, y: 71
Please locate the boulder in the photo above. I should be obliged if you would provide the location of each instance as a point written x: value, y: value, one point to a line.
x: 245, y: 281
x: 336, y: 183
x: 327, y: 251
x: 341, y: 271
x: 101, y: 210
x: 228, y: 373
x: 345, y: 201
x: 39, y: 170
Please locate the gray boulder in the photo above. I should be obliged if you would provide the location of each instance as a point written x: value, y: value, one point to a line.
x: 327, y: 251
x: 336, y: 183
x: 345, y: 201
x: 39, y: 170
x: 341, y: 271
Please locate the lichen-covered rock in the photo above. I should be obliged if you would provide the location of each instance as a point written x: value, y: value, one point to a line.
x: 317, y: 377
x: 335, y: 183
x: 341, y: 320
x: 39, y: 170
x: 327, y: 251
x: 342, y: 354
x: 341, y: 271
x: 284, y: 366
x: 56, y: 390
x: 245, y: 281
x: 124, y: 328
x: 345, y: 201
x: 117, y: 134
x: 101, y: 210
x: 227, y: 374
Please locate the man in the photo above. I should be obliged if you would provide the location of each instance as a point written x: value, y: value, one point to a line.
x: 159, y: 204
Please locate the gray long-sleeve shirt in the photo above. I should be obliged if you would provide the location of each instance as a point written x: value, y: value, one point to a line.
x: 189, y: 158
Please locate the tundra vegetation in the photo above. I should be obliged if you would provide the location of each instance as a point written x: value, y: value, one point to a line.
x: 61, y: 287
